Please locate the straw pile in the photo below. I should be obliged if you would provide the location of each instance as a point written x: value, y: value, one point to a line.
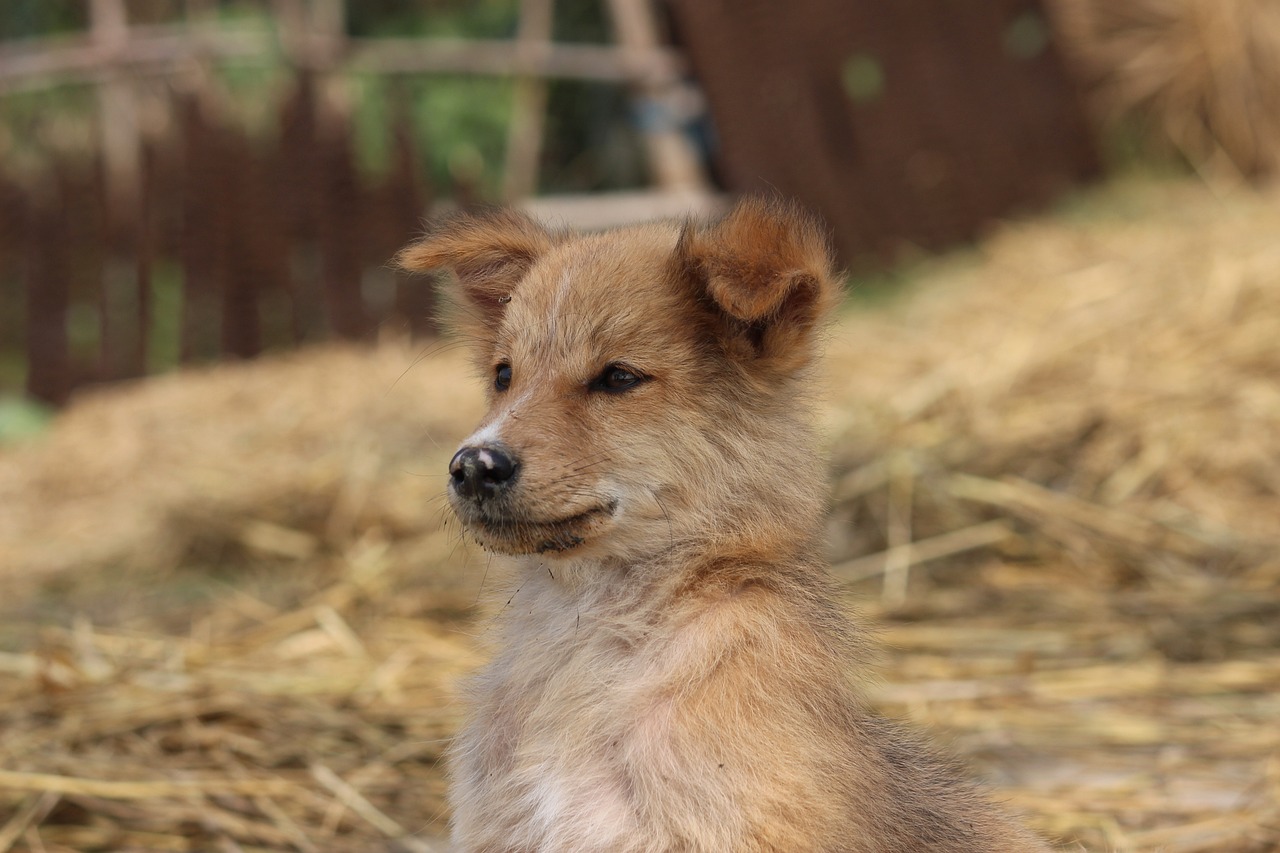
x: 1057, y: 486
x: 1202, y: 75
x: 1090, y: 410
x: 233, y: 611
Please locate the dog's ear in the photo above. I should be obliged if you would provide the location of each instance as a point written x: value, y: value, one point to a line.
x: 767, y: 268
x: 489, y: 252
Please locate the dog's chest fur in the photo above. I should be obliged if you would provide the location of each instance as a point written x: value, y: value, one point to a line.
x: 573, y: 714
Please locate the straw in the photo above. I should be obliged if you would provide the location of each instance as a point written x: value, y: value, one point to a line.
x: 237, y: 616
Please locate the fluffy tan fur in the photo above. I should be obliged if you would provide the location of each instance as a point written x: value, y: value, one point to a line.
x: 673, y: 671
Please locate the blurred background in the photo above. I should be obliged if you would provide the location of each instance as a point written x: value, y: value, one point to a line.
x: 236, y: 613
x: 235, y: 175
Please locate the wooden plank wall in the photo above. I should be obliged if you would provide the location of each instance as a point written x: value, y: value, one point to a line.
x: 911, y: 122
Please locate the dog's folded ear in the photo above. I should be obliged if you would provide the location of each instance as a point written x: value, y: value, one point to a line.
x: 488, y: 251
x: 768, y: 270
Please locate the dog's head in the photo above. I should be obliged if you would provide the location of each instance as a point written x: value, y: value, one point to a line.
x: 642, y: 382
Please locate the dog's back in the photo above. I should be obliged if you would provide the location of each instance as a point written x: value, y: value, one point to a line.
x: 673, y: 671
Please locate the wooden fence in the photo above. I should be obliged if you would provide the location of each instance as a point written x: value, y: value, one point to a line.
x: 231, y: 246
x: 206, y: 243
x: 905, y: 124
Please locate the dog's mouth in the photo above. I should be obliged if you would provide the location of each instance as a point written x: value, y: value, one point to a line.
x: 513, y: 533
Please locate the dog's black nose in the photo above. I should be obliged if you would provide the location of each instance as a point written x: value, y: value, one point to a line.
x: 482, y: 472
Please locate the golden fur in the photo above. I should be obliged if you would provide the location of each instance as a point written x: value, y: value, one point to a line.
x: 673, y: 671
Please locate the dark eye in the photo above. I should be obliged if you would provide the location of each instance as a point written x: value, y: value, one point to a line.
x: 502, y: 377
x: 615, y: 378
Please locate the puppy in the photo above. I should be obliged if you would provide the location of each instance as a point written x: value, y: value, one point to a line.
x: 673, y: 671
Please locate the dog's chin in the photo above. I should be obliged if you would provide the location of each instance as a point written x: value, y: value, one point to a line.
x: 514, y: 534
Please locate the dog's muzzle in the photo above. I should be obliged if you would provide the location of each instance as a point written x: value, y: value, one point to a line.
x: 482, y: 473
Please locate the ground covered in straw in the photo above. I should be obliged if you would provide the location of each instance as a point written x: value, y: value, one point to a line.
x: 235, y: 617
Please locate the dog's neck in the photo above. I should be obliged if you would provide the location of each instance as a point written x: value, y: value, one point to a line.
x: 766, y: 543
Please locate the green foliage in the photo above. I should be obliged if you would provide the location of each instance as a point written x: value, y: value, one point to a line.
x: 590, y: 142
x: 863, y: 78
x: 255, y: 93
x: 22, y: 418
x: 35, y: 125
x: 460, y: 124
x: 20, y: 19
x: 165, y: 331
x: 457, y: 18
x: 1028, y: 36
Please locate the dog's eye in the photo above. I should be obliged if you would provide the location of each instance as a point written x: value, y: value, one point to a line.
x: 502, y: 377
x: 615, y: 378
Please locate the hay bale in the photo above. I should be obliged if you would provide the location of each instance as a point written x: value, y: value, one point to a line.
x: 1202, y: 75
x: 1060, y: 449
x: 1109, y: 391
x: 1058, y: 481
x: 143, y: 474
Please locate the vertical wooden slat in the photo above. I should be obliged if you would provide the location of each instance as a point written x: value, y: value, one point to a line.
x: 165, y: 247
x: 241, y: 334
x: 14, y: 251
x: 203, y: 239
x: 48, y: 302
x: 267, y: 248
x: 339, y: 233
x: 121, y: 156
x: 329, y: 21
x: 144, y: 243
x: 342, y: 218
x: 121, y: 138
x: 298, y: 166
x: 529, y: 105
x: 673, y: 160
x: 408, y: 197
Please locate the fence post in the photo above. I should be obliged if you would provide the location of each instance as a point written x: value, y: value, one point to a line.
x: 48, y: 278
x: 675, y: 163
x: 117, y: 106
x: 528, y: 106
x: 409, y: 195
x: 125, y: 286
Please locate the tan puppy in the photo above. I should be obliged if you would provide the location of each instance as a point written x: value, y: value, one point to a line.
x: 673, y: 671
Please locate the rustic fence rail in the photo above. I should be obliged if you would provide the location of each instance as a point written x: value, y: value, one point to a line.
x: 158, y: 49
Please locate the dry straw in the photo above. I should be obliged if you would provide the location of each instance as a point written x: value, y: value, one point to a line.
x: 1203, y: 75
x: 1057, y: 486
